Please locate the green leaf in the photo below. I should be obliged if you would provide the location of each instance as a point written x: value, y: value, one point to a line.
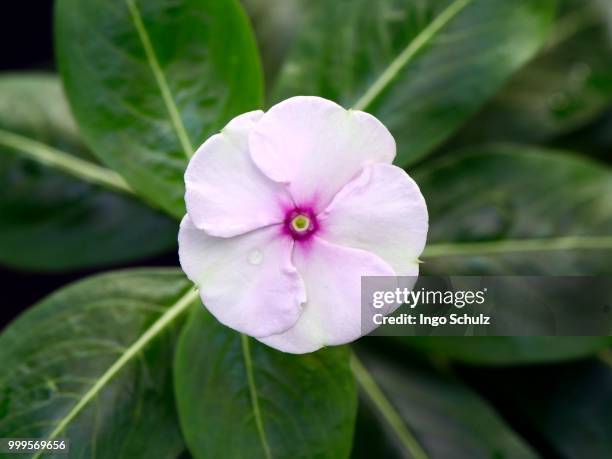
x: 92, y: 363
x: 567, y: 85
x: 447, y: 418
x: 511, y: 209
x: 507, y: 350
x: 50, y: 221
x: 238, y: 398
x: 567, y: 407
x: 422, y: 67
x: 149, y: 81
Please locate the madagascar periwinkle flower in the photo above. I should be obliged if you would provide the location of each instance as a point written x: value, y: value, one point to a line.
x: 287, y: 210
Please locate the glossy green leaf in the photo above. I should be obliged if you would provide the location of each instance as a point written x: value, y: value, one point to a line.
x: 238, y: 398
x: 149, y: 81
x: 567, y: 407
x: 446, y: 418
x: 49, y: 220
x: 92, y: 363
x: 422, y: 67
x: 567, y: 85
x: 517, y: 210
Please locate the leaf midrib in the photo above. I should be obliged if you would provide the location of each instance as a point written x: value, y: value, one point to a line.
x: 386, y: 409
x: 65, y: 162
x: 160, y: 79
x: 518, y: 246
x: 179, y: 307
x: 409, y: 52
x: 248, y: 365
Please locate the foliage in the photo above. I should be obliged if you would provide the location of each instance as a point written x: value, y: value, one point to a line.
x: 128, y: 363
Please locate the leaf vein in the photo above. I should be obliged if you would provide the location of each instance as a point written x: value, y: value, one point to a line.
x: 160, y: 78
x: 389, y: 413
x: 518, y: 245
x: 409, y: 52
x: 64, y: 162
x: 248, y: 364
x: 180, y: 306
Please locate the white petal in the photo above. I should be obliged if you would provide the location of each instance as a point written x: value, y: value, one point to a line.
x: 381, y: 211
x: 332, y: 313
x: 247, y: 282
x: 316, y: 146
x: 226, y: 194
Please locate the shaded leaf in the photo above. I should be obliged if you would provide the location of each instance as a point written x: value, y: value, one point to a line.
x: 594, y: 139
x: 567, y: 85
x: 568, y: 407
x: 447, y: 418
x: 517, y: 210
x: 48, y: 220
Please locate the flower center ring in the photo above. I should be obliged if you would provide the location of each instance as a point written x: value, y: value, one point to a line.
x: 300, y: 224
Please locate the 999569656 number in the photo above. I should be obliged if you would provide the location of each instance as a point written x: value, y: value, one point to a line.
x: 24, y: 445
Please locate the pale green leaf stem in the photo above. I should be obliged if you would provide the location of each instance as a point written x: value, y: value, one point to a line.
x: 518, y: 245
x: 408, y: 54
x: 160, y: 78
x: 65, y: 162
x: 248, y: 364
x: 389, y: 413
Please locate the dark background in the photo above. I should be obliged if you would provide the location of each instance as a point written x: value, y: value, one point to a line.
x: 26, y: 44
x: 26, y: 35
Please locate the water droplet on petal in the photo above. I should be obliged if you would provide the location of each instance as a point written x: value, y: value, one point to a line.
x: 255, y: 257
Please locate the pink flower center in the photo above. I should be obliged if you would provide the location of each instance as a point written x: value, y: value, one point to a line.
x: 300, y: 223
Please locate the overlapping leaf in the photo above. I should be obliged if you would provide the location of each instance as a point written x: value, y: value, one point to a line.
x: 568, y: 84
x: 567, y: 408
x: 92, y: 363
x: 517, y: 210
x: 422, y: 67
x: 48, y: 220
x: 149, y: 81
x: 430, y: 415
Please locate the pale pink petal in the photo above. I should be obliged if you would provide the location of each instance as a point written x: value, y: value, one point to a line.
x: 247, y: 282
x: 315, y: 146
x: 226, y: 194
x: 381, y: 211
x: 332, y: 313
